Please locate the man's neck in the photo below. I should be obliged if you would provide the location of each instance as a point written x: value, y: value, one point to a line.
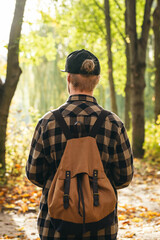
x: 73, y: 92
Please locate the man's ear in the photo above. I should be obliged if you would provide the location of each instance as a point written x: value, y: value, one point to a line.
x: 69, y: 78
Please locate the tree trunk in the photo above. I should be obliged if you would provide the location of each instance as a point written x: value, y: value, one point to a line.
x: 109, y: 51
x: 127, y: 87
x: 138, y: 49
x: 13, y: 73
x: 156, y: 29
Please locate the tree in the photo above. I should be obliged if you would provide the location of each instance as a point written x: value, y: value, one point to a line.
x: 109, y: 51
x: 137, y: 49
x: 128, y: 75
x: 7, y: 89
x: 156, y: 29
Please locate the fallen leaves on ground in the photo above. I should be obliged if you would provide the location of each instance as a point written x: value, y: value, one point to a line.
x: 22, y: 197
x: 18, y: 236
x: 139, y: 208
x: 136, y: 214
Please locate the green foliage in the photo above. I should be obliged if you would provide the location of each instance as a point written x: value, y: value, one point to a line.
x: 3, y: 67
x: 34, y: 117
x: 46, y: 88
x: 19, y: 135
x: 152, y: 142
x: 35, y: 48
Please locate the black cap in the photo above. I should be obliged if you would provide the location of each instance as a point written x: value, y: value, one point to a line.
x: 75, y: 60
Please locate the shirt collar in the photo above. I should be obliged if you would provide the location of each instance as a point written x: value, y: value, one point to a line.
x: 82, y: 97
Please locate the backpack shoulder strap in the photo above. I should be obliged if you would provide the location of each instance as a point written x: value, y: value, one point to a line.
x: 62, y: 123
x: 98, y: 123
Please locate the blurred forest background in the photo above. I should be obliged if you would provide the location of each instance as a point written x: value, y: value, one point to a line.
x: 124, y: 35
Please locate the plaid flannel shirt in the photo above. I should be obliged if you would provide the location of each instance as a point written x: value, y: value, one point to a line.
x: 47, y: 148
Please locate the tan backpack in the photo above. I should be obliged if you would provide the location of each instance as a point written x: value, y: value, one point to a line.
x: 81, y: 197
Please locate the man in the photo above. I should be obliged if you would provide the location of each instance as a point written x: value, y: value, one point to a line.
x: 48, y: 144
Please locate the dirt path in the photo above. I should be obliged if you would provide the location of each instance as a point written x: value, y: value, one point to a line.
x: 139, y: 214
x: 139, y: 210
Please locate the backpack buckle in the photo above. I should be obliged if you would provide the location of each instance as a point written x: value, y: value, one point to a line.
x: 66, y: 201
x: 95, y: 188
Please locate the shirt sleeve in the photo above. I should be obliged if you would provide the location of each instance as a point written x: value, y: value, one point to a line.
x: 37, y: 165
x: 122, y: 162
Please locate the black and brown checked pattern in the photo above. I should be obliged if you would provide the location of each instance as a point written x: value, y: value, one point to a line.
x: 47, y: 148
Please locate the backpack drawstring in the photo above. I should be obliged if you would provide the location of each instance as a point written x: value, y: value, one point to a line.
x: 81, y: 198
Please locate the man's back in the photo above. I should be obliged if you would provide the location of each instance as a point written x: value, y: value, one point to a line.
x: 48, y: 146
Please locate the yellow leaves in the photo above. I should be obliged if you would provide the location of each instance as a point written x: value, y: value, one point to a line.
x: 150, y: 214
x: 122, y: 217
x: 9, y: 206
x: 32, y: 200
x: 24, y: 208
x: 136, y: 219
x: 32, y: 205
x: 18, y: 166
x: 129, y: 234
x: 126, y: 222
x: 39, y: 194
x: 136, y: 214
x: 8, y: 237
x: 25, y: 195
x: 142, y: 208
x: 127, y: 40
x: 155, y: 199
x: 158, y: 120
x: 20, y: 229
x: 3, y: 67
x: 1, y: 194
x: 18, y: 190
x: 158, y: 222
x: 126, y: 212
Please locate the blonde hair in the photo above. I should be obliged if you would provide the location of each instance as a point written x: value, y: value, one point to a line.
x: 88, y: 66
